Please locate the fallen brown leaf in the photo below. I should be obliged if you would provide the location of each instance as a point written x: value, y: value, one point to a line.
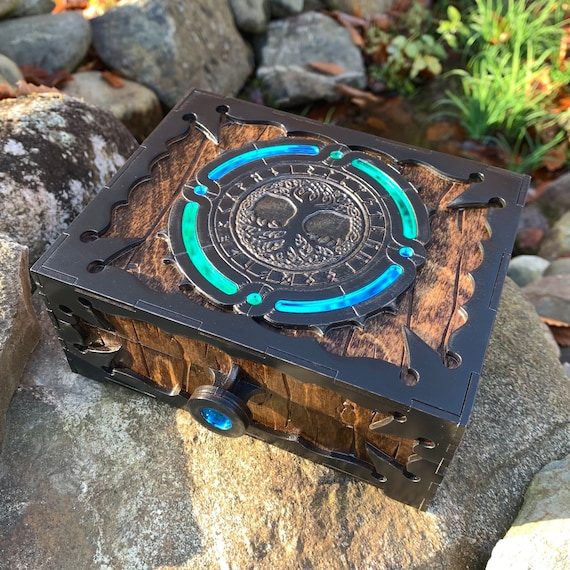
x: 355, y: 93
x: 39, y: 76
x: 554, y: 323
x: 326, y: 68
x: 58, y: 79
x: 7, y: 91
x: 24, y: 88
x: 356, y: 37
x: 383, y: 22
x: 344, y: 19
x: 63, y: 5
x: 560, y: 330
x: 562, y: 336
x: 354, y: 24
x: 112, y: 79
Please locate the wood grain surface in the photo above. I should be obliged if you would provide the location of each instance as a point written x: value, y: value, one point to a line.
x: 433, y: 307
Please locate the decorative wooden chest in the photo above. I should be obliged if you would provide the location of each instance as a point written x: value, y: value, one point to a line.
x: 324, y: 290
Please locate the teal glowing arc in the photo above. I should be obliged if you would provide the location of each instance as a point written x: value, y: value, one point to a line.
x: 405, y: 208
x: 381, y: 283
x: 196, y: 255
x: 260, y: 153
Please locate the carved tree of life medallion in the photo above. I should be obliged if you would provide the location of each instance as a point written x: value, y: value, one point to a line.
x: 299, y: 233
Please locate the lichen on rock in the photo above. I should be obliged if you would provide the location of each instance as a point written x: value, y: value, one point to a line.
x: 58, y: 152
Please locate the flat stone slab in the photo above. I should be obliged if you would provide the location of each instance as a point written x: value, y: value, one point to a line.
x: 540, y: 535
x: 95, y: 476
x: 19, y: 327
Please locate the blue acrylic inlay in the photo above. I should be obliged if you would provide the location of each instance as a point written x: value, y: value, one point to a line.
x: 216, y: 419
x: 200, y: 190
x: 407, y: 252
x: 387, y: 279
x: 260, y: 153
x: 194, y: 250
x: 405, y: 208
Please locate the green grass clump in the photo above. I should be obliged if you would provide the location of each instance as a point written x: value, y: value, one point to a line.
x: 516, y: 67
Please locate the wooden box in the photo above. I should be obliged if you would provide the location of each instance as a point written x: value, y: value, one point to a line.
x: 321, y: 289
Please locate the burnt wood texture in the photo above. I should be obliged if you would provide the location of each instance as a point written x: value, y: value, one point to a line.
x: 321, y: 289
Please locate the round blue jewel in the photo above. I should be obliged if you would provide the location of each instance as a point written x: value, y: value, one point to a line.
x: 407, y: 252
x: 216, y: 419
x: 200, y: 190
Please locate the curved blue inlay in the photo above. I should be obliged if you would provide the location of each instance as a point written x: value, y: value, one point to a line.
x: 259, y: 153
x: 373, y: 288
x: 216, y: 419
x: 405, y: 208
x: 194, y: 250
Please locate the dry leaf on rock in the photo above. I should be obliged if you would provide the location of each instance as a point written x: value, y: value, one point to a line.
x: 39, y: 76
x: 357, y: 95
x: 326, y: 68
x: 24, y: 88
x: 7, y: 91
x: 560, y: 330
x: 348, y: 19
x: 112, y: 79
x: 354, y: 24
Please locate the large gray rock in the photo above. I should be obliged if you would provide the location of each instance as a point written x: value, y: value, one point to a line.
x: 51, y: 41
x: 559, y: 266
x: 9, y: 71
x: 365, y: 8
x: 557, y: 242
x: 525, y: 269
x: 136, y: 106
x: 56, y: 154
x: 251, y: 16
x: 93, y: 476
x: 555, y: 200
x: 8, y: 6
x: 289, y: 48
x: 19, y: 327
x: 32, y: 8
x: 170, y: 46
x: 285, y: 8
x: 532, y: 228
x: 540, y: 535
x: 551, y: 297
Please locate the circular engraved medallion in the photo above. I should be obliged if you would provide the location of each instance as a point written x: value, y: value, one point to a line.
x: 299, y: 233
x: 299, y: 224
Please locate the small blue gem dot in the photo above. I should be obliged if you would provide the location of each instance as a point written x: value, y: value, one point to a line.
x: 407, y: 252
x: 216, y: 419
x: 200, y: 190
x: 336, y: 154
x: 254, y: 299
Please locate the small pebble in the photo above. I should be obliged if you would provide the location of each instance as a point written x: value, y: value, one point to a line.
x: 525, y: 269
x: 560, y: 266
